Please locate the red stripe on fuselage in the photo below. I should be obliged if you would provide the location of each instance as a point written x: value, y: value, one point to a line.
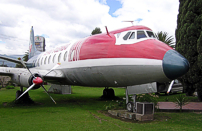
x: 103, y: 46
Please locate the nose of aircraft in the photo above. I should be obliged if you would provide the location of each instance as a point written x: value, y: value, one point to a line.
x: 174, y: 64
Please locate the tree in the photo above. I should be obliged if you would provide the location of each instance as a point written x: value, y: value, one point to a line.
x: 163, y: 36
x: 19, y: 65
x: 24, y: 58
x: 96, y: 31
x: 189, y: 43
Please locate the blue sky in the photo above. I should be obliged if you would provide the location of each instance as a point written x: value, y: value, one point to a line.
x: 114, y: 5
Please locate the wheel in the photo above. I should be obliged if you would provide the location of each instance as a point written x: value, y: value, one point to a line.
x: 130, y: 106
x: 105, y: 92
x: 108, y: 93
x: 111, y: 93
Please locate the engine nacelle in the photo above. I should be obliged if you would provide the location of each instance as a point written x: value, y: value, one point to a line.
x: 25, y: 79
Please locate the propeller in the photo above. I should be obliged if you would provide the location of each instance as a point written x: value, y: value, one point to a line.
x: 170, y: 86
x: 38, y: 81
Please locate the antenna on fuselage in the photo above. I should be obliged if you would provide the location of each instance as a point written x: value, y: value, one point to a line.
x: 107, y: 30
x: 129, y: 21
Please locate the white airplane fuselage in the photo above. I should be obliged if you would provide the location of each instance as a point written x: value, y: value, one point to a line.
x: 111, y: 60
x: 124, y: 57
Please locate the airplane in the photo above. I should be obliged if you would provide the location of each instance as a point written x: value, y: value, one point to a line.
x: 120, y: 58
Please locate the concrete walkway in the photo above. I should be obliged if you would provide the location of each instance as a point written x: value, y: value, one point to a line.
x: 171, y: 106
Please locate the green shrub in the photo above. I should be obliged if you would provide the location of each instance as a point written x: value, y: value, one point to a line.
x: 10, y: 87
x: 148, y: 98
x: 181, y: 100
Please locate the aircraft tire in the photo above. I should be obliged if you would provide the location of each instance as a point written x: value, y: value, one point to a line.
x: 108, y: 93
x: 111, y: 93
x: 105, y: 92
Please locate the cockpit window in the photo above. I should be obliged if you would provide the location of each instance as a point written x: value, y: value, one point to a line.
x: 132, y: 36
x: 141, y: 34
x: 151, y: 34
x: 126, y: 36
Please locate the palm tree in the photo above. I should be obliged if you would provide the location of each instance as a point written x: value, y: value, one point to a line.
x: 25, y: 57
x: 163, y: 36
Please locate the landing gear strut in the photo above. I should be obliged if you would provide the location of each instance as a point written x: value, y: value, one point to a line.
x: 130, y: 105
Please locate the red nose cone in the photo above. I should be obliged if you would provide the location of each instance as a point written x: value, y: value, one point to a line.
x: 37, y: 81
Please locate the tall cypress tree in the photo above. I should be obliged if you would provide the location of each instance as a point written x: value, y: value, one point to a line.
x: 189, y: 43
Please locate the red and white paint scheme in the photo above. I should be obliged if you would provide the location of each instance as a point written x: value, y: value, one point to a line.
x: 119, y: 58
x: 123, y: 57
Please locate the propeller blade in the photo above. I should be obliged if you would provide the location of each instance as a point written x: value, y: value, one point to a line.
x: 26, y: 67
x: 56, y: 66
x: 26, y: 91
x: 170, y: 86
x: 48, y: 94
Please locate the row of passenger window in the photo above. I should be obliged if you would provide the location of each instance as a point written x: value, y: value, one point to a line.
x: 52, y: 58
x: 140, y: 34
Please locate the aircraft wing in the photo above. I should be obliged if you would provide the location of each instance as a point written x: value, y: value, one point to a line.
x: 12, y: 60
x: 5, y: 73
x: 55, y: 76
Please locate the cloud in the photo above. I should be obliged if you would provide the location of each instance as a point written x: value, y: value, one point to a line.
x: 1, y: 41
x: 156, y: 14
x: 62, y: 21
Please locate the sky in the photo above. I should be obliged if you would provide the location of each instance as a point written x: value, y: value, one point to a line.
x: 61, y: 21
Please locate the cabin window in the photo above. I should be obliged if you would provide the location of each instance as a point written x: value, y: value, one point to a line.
x: 65, y: 56
x: 49, y: 59
x: 150, y: 34
x: 41, y: 60
x: 59, y: 57
x: 141, y: 34
x: 126, y: 36
x: 54, y: 58
x: 45, y: 60
x: 33, y: 64
x: 72, y: 55
x: 132, y: 36
x: 37, y: 63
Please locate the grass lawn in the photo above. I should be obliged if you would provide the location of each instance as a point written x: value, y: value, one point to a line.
x: 82, y: 110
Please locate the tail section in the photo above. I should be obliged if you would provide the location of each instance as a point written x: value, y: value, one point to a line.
x: 32, y: 47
